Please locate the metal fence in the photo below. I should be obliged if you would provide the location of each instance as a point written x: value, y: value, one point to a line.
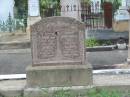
x: 13, y: 25
x: 91, y: 14
x: 95, y: 16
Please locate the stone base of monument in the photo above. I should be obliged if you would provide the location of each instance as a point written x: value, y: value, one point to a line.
x: 40, y: 77
x: 59, y: 76
x: 48, y: 92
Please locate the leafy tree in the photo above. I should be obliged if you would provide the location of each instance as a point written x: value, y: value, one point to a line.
x: 22, y: 7
x: 115, y: 3
x: 22, y: 10
x: 46, y: 6
x: 49, y: 3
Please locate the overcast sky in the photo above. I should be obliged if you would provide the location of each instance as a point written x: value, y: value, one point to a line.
x: 6, y: 7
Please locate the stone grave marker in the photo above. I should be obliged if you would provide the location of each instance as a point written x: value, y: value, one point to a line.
x: 58, y: 53
x: 58, y: 41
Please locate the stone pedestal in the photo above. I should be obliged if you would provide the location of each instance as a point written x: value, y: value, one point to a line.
x: 30, y: 21
x: 33, y: 19
x: 44, y: 80
x: 59, y: 76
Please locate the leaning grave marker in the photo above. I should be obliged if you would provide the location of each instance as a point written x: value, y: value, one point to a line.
x: 58, y: 54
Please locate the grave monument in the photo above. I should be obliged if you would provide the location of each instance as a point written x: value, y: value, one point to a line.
x: 71, y: 8
x: 58, y: 53
x: 33, y: 13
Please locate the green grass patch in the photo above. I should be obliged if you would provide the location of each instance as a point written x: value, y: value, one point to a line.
x: 94, y: 42
x: 93, y: 93
x: 91, y: 42
x: 106, y: 93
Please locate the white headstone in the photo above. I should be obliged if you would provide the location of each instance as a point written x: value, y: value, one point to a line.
x: 69, y: 11
x: 128, y: 3
x: 33, y: 8
x: 95, y: 8
x: 121, y: 14
x: 6, y: 8
x: 123, y: 3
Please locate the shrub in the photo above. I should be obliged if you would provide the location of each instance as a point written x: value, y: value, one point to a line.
x: 91, y: 42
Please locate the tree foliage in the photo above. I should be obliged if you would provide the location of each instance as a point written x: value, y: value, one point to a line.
x: 49, y: 3
x: 45, y: 5
x: 22, y: 7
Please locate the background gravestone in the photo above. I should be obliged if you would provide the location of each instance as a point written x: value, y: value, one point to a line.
x: 33, y: 14
x: 58, y: 52
x: 70, y: 8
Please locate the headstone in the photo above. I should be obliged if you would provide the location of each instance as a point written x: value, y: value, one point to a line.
x: 96, y: 6
x: 125, y: 3
x: 33, y: 14
x: 33, y: 8
x: 71, y: 8
x: 128, y: 3
x: 121, y: 14
x: 6, y: 9
x: 58, y: 53
x: 58, y: 43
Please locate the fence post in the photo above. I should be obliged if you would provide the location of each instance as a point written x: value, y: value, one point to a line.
x: 107, y: 14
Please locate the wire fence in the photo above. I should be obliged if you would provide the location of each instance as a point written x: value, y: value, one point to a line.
x: 13, y: 25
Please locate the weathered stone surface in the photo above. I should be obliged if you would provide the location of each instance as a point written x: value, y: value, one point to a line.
x: 59, y: 76
x: 58, y: 41
x: 58, y: 54
x: 12, y: 88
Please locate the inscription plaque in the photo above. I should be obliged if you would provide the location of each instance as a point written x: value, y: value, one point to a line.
x: 46, y: 45
x: 70, y: 45
x: 58, y: 40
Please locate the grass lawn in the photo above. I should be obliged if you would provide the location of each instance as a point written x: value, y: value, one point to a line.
x: 91, y: 93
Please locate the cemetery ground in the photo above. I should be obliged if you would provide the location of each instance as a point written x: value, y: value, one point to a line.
x: 110, y: 85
